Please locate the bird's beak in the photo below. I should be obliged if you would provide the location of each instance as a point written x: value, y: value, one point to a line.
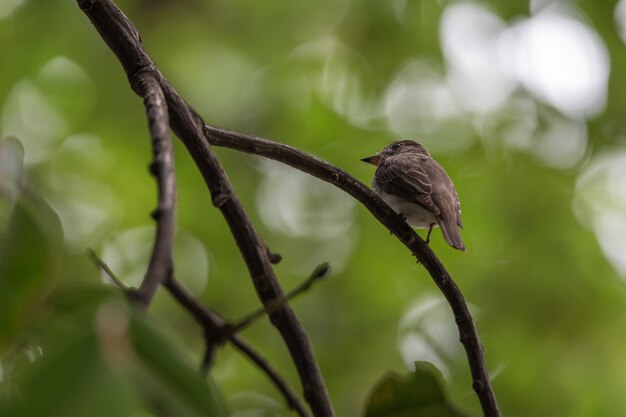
x: 374, y: 160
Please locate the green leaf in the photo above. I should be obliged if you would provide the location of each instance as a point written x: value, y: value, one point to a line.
x: 97, y: 356
x: 31, y: 245
x: 72, y: 381
x: 418, y: 394
x: 169, y: 384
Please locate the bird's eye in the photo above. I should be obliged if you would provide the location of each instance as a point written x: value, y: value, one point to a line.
x: 396, y: 146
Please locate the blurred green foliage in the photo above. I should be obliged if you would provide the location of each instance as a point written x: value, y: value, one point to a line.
x: 533, y: 138
x: 417, y: 394
x: 94, y: 357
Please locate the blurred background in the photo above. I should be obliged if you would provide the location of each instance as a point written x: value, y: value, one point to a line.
x: 522, y: 103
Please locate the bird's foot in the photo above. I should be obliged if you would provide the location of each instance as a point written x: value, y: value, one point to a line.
x: 430, y: 229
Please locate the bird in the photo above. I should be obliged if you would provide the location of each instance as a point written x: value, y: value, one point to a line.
x: 415, y: 186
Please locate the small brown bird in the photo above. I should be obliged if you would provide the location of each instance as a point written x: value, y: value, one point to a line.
x: 418, y: 188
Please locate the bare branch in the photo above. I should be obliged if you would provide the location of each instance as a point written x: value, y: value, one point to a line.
x: 219, y: 331
x: 161, y: 264
x: 385, y: 215
x: 209, y: 354
x: 103, y: 266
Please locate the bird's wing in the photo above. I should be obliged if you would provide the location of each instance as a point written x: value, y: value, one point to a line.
x: 459, y: 221
x: 403, y: 175
x: 447, y: 200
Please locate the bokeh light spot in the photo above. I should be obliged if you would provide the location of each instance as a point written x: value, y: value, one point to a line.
x: 7, y: 7
x: 293, y: 203
x: 562, y: 143
x: 620, y: 19
x: 420, y: 105
x: 314, y: 217
x: 87, y: 206
x: 561, y: 60
x: 600, y: 203
x: 29, y: 115
x: 62, y: 70
x: 128, y: 253
x: 425, y: 334
x: 225, y: 91
x: 469, y: 40
x: 336, y: 74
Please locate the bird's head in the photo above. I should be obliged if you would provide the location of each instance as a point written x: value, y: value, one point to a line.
x: 397, y: 148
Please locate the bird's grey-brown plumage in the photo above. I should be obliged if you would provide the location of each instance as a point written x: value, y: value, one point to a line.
x: 417, y: 187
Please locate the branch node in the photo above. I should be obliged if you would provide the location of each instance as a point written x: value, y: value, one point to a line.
x: 133, y: 296
x: 156, y: 214
x: 319, y: 272
x: 274, y: 258
x: 153, y: 167
x: 478, y: 386
x: 220, y: 198
x: 137, y: 82
x: 86, y: 5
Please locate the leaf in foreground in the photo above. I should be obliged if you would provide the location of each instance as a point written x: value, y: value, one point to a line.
x: 418, y: 394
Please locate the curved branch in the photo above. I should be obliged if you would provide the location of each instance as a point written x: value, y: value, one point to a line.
x: 124, y: 40
x: 385, y: 215
x: 162, y: 167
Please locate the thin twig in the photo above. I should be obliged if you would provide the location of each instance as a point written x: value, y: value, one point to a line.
x: 124, y: 40
x: 102, y: 265
x: 161, y: 264
x: 292, y: 400
x: 318, y: 273
x: 209, y: 354
x: 216, y: 326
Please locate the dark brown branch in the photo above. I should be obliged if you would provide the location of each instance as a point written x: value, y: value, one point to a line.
x: 216, y: 328
x: 209, y: 356
x: 385, y: 215
x: 214, y: 335
x: 124, y: 41
x: 162, y: 167
x: 318, y: 273
x: 188, y: 127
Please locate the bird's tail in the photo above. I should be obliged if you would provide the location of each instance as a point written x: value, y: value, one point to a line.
x: 450, y: 231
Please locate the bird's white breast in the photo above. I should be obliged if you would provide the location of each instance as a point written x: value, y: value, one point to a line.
x: 416, y: 215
